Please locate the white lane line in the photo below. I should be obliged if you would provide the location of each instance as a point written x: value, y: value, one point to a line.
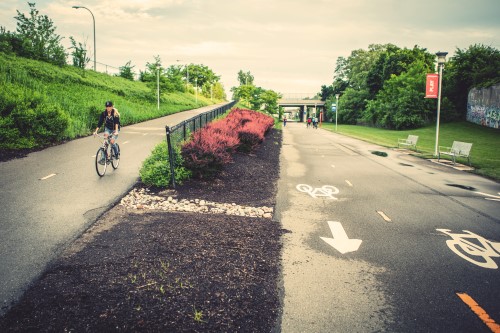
x: 385, y: 217
x: 145, y: 134
x: 47, y: 177
x: 333, y: 166
x: 491, y: 197
x: 125, y: 142
x: 348, y: 183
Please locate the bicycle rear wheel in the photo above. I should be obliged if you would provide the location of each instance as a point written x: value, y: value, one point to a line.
x: 116, y: 159
x: 100, y: 162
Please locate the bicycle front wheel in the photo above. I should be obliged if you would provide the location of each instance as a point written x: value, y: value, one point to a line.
x: 100, y: 162
x: 116, y: 159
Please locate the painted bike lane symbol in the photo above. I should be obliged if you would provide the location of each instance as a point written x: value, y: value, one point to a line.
x: 473, y: 248
x: 324, y: 191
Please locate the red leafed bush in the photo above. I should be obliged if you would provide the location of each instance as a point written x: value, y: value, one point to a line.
x: 208, y: 151
x: 250, y: 136
x: 211, y: 147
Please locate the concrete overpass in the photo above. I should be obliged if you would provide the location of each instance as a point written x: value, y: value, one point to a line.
x: 306, y: 103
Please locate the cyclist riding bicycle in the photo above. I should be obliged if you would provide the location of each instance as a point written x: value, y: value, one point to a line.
x: 111, y: 120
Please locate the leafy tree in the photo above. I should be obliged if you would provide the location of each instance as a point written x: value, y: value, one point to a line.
x: 127, y: 71
x: 79, y: 54
x: 245, y: 78
x: 200, y: 75
x: 39, y: 40
x: 10, y: 43
x: 394, y: 61
x: 400, y: 104
x: 270, y: 100
x: 218, y: 91
x: 351, y: 105
x: 477, y: 66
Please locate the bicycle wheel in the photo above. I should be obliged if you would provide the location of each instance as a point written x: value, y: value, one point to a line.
x: 116, y: 159
x: 100, y: 162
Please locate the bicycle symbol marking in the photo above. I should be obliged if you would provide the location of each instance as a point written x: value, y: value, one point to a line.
x: 473, y: 248
x: 324, y: 191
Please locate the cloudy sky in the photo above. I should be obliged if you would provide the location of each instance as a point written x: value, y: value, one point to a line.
x: 290, y: 46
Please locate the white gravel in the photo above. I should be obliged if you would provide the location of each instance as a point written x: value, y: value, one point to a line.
x: 143, y: 200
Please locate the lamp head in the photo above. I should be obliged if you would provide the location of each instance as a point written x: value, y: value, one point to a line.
x: 76, y: 7
x: 441, y: 57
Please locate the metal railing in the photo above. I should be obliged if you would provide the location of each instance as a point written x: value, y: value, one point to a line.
x: 179, y: 133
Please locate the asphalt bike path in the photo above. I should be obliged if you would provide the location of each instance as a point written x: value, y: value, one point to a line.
x: 50, y: 197
x: 384, y: 244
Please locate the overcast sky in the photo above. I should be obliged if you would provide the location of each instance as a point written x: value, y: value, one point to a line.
x: 290, y: 46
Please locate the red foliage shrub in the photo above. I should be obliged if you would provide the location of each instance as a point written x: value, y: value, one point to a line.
x: 250, y: 135
x: 208, y: 151
x: 211, y: 147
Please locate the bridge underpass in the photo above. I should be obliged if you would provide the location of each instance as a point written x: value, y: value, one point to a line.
x: 307, y: 105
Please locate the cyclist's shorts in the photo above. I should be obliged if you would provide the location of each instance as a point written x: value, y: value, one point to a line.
x: 110, y: 133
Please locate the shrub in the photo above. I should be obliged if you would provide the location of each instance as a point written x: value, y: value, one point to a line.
x: 155, y: 170
x: 250, y: 136
x: 211, y: 147
x: 208, y: 151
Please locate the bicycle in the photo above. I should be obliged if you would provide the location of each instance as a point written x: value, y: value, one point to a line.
x: 106, y: 155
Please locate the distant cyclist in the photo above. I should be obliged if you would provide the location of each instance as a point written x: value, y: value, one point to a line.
x: 111, y: 120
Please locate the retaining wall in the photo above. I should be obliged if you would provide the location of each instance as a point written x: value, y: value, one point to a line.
x: 483, y: 106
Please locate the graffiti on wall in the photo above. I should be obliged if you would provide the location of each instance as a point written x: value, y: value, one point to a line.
x: 483, y: 106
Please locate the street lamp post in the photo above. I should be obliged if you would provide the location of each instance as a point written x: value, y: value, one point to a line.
x: 196, y: 88
x: 336, y: 110
x: 441, y: 60
x: 158, y: 85
x: 93, y: 19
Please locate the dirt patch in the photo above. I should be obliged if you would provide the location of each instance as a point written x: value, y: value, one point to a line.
x: 166, y: 271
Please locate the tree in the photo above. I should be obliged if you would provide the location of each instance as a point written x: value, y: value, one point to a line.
x: 270, y: 100
x: 394, y: 61
x: 79, y: 54
x: 477, y: 66
x: 400, y: 104
x: 127, y: 72
x: 10, y: 43
x: 39, y: 40
x: 245, y: 78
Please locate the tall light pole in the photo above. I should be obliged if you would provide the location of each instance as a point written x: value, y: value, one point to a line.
x: 158, y: 84
x: 441, y: 60
x: 93, y: 19
x: 336, y: 110
x: 196, y: 88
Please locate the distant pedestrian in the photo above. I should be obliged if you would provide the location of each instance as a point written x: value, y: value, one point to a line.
x: 309, y: 120
x: 315, y: 122
x: 284, y: 121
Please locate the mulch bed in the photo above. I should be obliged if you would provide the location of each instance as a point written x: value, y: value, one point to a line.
x: 153, y: 271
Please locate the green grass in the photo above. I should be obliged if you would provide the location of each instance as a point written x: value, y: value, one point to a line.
x: 485, y: 153
x: 81, y: 93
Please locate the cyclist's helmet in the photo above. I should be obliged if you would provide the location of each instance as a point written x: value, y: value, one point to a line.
x: 109, y: 103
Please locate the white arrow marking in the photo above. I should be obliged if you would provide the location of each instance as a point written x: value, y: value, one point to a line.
x: 340, y: 241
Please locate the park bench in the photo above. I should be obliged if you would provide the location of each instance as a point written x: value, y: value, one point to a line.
x: 411, y: 141
x: 458, y: 149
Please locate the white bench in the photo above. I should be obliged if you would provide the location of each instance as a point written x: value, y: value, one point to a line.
x: 460, y: 149
x: 411, y: 141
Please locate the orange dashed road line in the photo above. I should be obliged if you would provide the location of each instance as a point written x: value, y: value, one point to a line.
x: 479, y: 311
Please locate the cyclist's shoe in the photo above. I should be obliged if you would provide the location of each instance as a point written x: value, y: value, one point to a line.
x: 102, y: 161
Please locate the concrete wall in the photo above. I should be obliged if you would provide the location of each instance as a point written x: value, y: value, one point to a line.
x: 483, y: 106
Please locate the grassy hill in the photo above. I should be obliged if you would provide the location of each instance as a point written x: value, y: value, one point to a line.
x: 41, y: 103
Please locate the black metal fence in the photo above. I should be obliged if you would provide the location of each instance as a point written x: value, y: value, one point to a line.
x: 179, y: 133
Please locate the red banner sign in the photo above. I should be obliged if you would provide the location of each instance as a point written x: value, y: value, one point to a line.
x: 431, y: 86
